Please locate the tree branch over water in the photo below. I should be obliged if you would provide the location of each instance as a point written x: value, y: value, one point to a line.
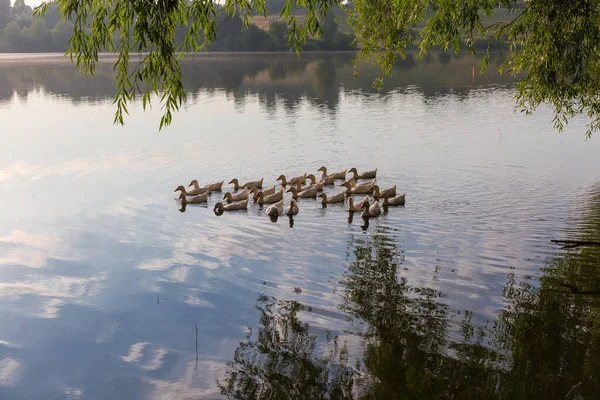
x: 553, y: 44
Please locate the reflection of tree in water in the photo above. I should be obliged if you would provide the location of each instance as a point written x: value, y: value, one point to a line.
x: 552, y: 331
x: 316, y: 77
x: 544, y: 344
x: 408, y: 353
x: 278, y: 362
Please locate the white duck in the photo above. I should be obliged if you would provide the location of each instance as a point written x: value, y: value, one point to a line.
x: 336, y: 198
x: 354, y: 182
x: 292, y: 181
x: 195, y: 184
x: 203, y: 198
x: 336, y: 175
x: 358, y: 206
x: 292, y: 209
x: 193, y: 192
x: 213, y: 187
x: 371, y: 211
x: 303, y: 194
x: 394, y: 201
x: 301, y: 188
x: 328, y: 180
x: 266, y: 192
x: 275, y: 210
x: 249, y: 185
x: 353, y: 189
x: 273, y: 198
x: 231, y: 197
x: 389, y: 192
x: 238, y: 205
x: 363, y: 175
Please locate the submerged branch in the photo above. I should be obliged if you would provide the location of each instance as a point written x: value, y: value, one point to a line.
x: 570, y: 244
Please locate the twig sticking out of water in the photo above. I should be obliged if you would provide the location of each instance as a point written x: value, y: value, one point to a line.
x: 196, y: 344
x: 573, y: 388
x: 571, y: 244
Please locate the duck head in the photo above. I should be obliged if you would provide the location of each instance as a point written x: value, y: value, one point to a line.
x: 375, y: 189
x: 181, y: 188
x: 194, y: 183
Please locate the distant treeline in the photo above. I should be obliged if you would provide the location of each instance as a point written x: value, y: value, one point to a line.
x: 20, y: 32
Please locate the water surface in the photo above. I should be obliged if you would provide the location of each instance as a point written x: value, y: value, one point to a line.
x: 459, y: 294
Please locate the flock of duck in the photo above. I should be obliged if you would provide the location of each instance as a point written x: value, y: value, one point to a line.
x: 358, y: 184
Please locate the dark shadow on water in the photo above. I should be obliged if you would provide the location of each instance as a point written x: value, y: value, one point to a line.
x: 278, y: 362
x: 543, y: 345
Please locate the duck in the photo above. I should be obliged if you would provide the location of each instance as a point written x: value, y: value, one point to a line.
x: 394, y: 201
x: 231, y: 197
x: 238, y: 205
x: 363, y: 175
x: 193, y: 192
x: 358, y: 206
x: 292, y: 209
x: 336, y: 175
x: 319, y: 186
x: 389, y: 192
x: 195, y: 184
x: 275, y: 210
x: 216, y: 187
x: 249, y: 185
x: 372, y: 210
x: 328, y: 180
x: 273, y: 198
x: 255, y: 191
x: 213, y: 187
x: 336, y: 198
x: 203, y: 198
x: 360, y: 189
x: 312, y: 192
x: 291, y: 181
x: 353, y: 182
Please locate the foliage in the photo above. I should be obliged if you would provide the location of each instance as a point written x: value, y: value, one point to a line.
x: 278, y: 362
x: 553, y: 44
x: 152, y: 28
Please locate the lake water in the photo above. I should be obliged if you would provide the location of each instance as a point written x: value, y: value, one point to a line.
x: 108, y: 291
